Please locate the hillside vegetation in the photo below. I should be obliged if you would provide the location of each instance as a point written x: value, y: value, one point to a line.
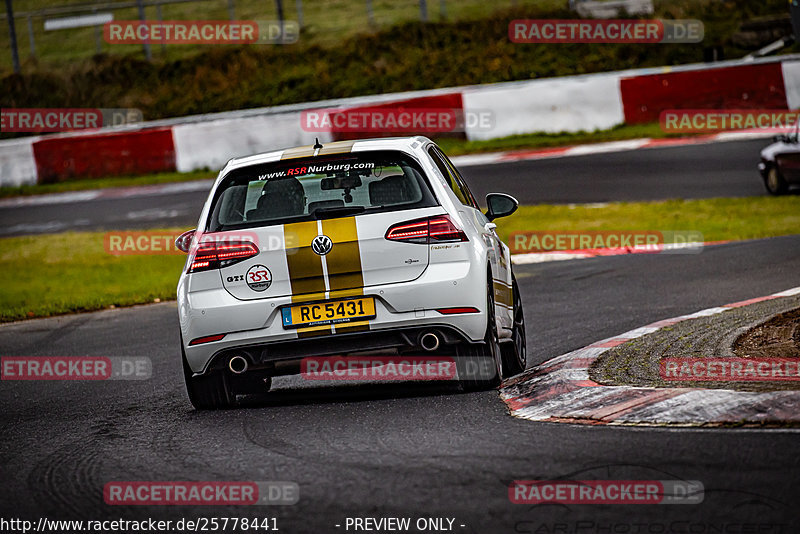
x: 406, y: 56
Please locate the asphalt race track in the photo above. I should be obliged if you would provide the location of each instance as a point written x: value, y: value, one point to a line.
x: 409, y: 449
x: 725, y: 169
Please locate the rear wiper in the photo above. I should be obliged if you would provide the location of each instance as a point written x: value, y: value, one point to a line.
x: 338, y: 211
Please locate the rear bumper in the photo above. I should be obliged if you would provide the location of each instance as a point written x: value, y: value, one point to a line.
x: 404, y: 311
x: 273, y: 355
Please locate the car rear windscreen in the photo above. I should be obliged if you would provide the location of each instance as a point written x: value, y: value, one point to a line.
x: 318, y: 188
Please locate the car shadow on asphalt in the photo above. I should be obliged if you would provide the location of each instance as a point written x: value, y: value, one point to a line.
x: 349, y: 393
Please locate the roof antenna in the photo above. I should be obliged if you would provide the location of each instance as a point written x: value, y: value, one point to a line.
x: 317, y: 144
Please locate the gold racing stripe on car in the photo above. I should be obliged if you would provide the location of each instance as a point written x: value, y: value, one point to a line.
x: 360, y: 326
x: 305, y: 270
x: 344, y: 259
x: 318, y: 297
x: 503, y: 295
x: 298, y: 152
x: 305, y: 267
x: 343, y: 273
x: 344, y: 264
x: 338, y: 147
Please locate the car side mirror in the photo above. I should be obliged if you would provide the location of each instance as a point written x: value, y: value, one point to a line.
x: 500, y: 205
x: 184, y: 241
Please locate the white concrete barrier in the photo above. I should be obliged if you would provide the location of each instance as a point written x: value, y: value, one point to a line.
x: 17, y: 164
x: 211, y: 144
x: 554, y: 105
x: 791, y: 81
x: 610, y: 9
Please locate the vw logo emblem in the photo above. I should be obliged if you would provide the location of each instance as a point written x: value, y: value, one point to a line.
x: 321, y: 244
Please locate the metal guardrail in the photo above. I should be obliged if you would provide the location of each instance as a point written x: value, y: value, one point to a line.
x: 10, y: 16
x: 89, y: 8
x: 78, y: 9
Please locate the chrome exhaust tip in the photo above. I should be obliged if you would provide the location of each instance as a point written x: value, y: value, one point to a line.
x: 237, y: 364
x: 429, y: 341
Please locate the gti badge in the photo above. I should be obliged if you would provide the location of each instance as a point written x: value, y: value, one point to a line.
x: 321, y: 244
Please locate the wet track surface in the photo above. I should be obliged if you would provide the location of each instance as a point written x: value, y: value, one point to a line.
x: 696, y: 171
x: 406, y: 449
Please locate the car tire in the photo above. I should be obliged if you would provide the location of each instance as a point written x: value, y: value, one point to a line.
x: 515, y: 357
x: 210, y: 391
x: 774, y: 181
x: 489, y: 349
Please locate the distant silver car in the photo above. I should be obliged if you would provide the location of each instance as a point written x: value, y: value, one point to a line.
x: 780, y: 163
x: 369, y: 245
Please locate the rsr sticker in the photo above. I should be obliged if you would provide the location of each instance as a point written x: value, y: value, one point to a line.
x: 258, y: 278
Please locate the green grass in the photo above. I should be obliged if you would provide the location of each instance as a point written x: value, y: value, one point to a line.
x: 62, y: 273
x: 455, y: 147
x: 101, y: 183
x: 71, y: 272
x: 327, y: 22
x: 718, y: 219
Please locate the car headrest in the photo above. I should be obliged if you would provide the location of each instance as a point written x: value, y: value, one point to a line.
x: 280, y: 198
x: 390, y: 190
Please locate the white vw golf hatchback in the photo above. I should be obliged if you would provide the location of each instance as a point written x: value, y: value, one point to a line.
x: 358, y: 247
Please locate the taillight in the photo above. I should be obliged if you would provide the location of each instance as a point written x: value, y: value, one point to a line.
x: 207, y: 339
x: 458, y: 310
x: 438, y: 229
x: 213, y: 255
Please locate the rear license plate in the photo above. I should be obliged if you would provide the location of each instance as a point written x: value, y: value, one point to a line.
x: 330, y: 312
